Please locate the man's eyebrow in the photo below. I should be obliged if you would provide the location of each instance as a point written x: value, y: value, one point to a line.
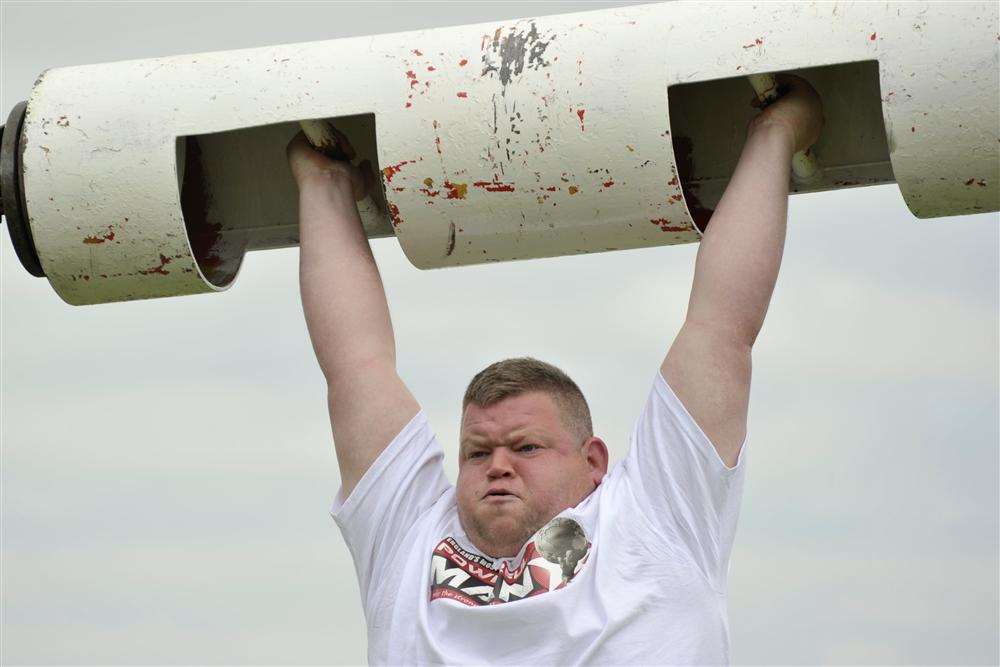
x: 519, y: 436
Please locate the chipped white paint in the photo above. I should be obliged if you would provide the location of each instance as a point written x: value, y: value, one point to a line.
x: 510, y: 140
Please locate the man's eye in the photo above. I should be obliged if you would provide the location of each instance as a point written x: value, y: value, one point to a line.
x: 526, y: 447
x: 475, y: 454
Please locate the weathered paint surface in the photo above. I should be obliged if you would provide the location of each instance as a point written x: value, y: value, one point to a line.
x: 512, y: 140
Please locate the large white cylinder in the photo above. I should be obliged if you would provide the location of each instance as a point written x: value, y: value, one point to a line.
x: 564, y: 134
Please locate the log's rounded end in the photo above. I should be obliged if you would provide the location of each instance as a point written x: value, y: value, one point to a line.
x: 14, y: 208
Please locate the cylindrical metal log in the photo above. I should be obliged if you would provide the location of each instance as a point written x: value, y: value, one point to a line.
x: 556, y: 135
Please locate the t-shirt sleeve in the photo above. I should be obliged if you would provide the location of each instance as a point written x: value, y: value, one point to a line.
x: 688, y: 493
x: 404, y: 481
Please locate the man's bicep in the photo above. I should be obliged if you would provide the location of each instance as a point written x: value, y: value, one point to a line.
x: 369, y: 405
x: 710, y: 373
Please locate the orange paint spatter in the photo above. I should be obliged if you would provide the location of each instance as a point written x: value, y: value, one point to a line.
x: 463, y: 62
x: 456, y: 190
x: 96, y: 238
x: 393, y: 169
x: 573, y: 189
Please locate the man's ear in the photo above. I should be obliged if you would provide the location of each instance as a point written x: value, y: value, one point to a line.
x: 596, y: 453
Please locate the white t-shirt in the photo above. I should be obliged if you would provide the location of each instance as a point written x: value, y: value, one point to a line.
x: 633, y: 575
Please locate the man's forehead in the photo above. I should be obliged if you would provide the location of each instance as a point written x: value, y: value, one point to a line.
x: 509, y: 419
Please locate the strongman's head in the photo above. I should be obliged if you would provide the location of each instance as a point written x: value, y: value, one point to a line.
x: 527, y: 452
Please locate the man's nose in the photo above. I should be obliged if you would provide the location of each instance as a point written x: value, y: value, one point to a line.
x: 500, y: 463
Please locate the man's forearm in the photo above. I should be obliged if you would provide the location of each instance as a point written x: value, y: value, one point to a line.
x: 737, y: 264
x: 342, y: 292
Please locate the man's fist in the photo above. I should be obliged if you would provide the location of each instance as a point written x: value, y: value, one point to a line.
x: 310, y: 166
x: 798, y: 109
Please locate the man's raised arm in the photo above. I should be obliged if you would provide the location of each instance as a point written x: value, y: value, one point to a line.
x: 708, y: 365
x: 346, y: 312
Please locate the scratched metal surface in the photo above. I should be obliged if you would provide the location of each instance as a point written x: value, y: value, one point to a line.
x: 501, y: 141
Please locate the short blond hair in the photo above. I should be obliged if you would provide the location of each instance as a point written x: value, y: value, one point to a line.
x: 513, y: 377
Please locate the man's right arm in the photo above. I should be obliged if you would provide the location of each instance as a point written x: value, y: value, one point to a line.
x: 346, y: 313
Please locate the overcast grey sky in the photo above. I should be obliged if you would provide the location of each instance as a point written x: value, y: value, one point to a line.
x: 168, y: 466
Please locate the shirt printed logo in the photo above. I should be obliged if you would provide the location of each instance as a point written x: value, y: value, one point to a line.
x: 551, y: 559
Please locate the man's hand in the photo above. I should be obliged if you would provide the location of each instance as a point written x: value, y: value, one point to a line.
x: 312, y: 168
x: 798, y: 110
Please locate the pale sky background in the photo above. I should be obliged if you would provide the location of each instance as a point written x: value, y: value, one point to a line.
x: 168, y: 466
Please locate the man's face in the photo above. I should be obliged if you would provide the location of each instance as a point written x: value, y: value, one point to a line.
x: 520, y: 446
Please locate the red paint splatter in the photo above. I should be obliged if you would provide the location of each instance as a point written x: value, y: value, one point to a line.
x: 412, y: 77
x: 608, y: 184
x: 579, y: 113
x: 676, y: 197
x: 429, y: 192
x: 416, y: 52
x: 552, y: 188
x: 665, y: 225
x: 759, y: 41
x: 456, y: 190
x: 394, y: 214
x: 158, y: 269
x: 110, y: 236
x: 913, y: 129
x: 463, y: 62
x: 430, y: 68
x: 672, y: 181
x: 392, y: 170
x: 872, y: 36
x: 494, y: 186
x: 463, y: 95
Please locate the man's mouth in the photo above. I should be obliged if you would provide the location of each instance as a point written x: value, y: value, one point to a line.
x: 498, y: 493
x: 499, y: 497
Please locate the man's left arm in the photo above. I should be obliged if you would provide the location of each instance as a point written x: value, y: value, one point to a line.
x: 708, y: 365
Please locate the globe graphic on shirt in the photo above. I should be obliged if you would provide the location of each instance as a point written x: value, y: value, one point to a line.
x: 562, y: 541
